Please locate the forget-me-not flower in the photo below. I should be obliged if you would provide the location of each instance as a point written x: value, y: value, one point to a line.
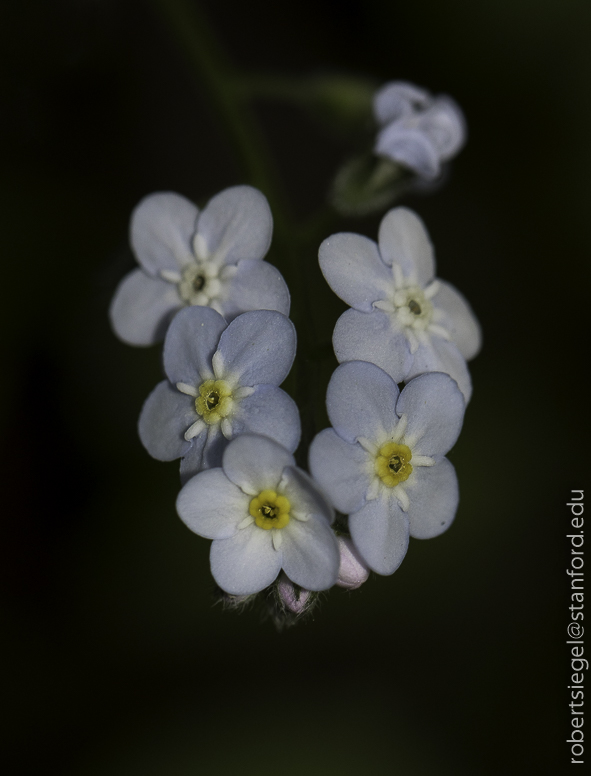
x: 403, y: 319
x: 417, y: 130
x: 263, y: 515
x: 222, y: 381
x: 211, y: 258
x: 383, y: 461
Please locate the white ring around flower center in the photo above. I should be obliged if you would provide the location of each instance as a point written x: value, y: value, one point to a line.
x: 412, y: 307
x: 200, y: 283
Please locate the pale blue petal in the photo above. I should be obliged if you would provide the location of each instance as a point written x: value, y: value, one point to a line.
x: 142, y: 308
x: 341, y: 469
x: 236, y: 224
x: 397, y: 99
x: 257, y: 285
x: 361, y: 401
x: 354, y: 270
x: 373, y: 337
x: 445, y: 126
x: 305, y: 495
x: 438, y: 355
x: 434, y: 407
x: 212, y: 506
x: 247, y: 562
x: 191, y: 341
x: 213, y: 451
x: 164, y: 418
x: 403, y: 239
x: 380, y: 533
x: 161, y: 230
x: 310, y: 553
x: 258, y: 348
x: 193, y: 461
x: 256, y: 463
x: 410, y: 147
x: 458, y: 320
x: 434, y: 497
x: 271, y: 412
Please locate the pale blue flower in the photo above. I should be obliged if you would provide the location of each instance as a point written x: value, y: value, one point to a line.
x: 211, y: 258
x: 263, y: 515
x: 383, y: 461
x: 403, y: 319
x: 222, y: 382
x: 417, y: 130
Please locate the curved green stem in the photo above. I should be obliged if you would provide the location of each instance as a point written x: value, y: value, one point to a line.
x: 215, y: 71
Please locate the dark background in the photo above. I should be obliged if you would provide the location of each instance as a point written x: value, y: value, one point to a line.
x: 115, y: 662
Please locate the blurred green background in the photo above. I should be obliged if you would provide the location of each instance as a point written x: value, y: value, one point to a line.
x: 115, y: 662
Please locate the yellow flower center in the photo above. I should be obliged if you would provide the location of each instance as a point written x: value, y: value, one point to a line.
x: 214, y: 401
x: 270, y: 510
x: 393, y: 463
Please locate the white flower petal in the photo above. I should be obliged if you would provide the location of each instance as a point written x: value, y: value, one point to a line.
x: 205, y: 452
x: 161, y: 230
x: 255, y: 463
x: 361, y: 402
x: 191, y: 341
x: 164, y: 418
x: 341, y: 469
x: 310, y: 554
x: 354, y: 270
x: 434, y: 496
x: 270, y: 412
x: 304, y: 495
x: 437, y: 355
x: 380, y: 533
x: 443, y: 122
x: 397, y: 99
x: 257, y: 348
x: 256, y: 285
x: 373, y: 337
x: 212, y: 506
x: 434, y: 408
x: 403, y: 239
x: 411, y: 147
x: 247, y: 562
x: 214, y: 447
x: 458, y: 319
x: 142, y: 308
x: 236, y: 224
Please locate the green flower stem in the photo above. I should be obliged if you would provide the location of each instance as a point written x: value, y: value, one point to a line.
x: 215, y: 72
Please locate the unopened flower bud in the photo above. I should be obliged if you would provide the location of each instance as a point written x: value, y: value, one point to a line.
x: 352, y: 570
x: 293, y: 598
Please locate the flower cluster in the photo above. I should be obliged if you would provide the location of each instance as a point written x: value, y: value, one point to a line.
x: 222, y: 310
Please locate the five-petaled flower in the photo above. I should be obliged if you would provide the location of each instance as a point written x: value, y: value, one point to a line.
x: 211, y: 258
x: 403, y: 319
x: 222, y: 381
x: 383, y: 461
x: 263, y: 515
x: 417, y: 130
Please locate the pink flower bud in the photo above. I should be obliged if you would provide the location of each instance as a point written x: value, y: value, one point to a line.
x: 352, y: 570
x: 294, y: 599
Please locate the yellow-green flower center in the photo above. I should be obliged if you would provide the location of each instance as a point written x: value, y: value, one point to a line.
x: 393, y: 463
x: 214, y: 401
x: 270, y: 510
x: 413, y: 307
